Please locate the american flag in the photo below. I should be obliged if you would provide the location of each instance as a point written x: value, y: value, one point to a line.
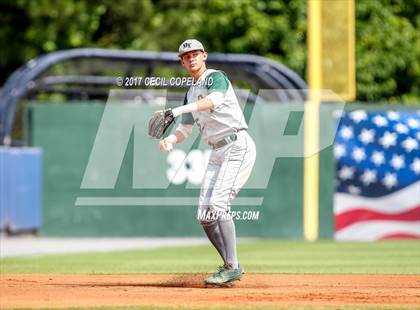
x: 378, y: 175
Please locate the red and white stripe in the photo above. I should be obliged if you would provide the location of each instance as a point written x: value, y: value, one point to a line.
x: 393, y: 216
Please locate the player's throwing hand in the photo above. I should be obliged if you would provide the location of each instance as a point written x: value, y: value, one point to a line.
x: 165, y: 145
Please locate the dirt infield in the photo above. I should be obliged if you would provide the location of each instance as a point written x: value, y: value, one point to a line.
x: 55, y: 291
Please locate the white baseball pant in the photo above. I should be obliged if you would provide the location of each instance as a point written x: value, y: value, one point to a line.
x: 228, y: 170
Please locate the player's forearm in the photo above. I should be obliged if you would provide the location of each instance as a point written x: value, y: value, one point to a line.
x: 175, y: 138
x: 200, y: 105
x: 179, y: 136
x: 204, y: 104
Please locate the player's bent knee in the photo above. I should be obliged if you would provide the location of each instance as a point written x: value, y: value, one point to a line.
x: 205, y: 223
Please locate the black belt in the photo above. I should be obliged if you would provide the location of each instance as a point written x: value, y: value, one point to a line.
x: 225, y: 141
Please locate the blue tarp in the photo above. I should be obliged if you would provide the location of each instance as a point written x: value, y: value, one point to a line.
x: 20, y: 188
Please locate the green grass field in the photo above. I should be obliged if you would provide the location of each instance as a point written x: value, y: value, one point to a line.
x: 231, y: 308
x: 325, y: 257
x: 291, y: 257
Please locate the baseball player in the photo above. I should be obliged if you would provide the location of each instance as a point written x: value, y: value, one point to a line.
x: 211, y: 104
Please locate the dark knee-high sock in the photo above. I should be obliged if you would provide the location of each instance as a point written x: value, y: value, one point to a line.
x: 227, y: 230
x: 213, y: 233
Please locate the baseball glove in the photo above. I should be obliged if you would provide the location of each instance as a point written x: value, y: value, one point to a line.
x: 160, y: 122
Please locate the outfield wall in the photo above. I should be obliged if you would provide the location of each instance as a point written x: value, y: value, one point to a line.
x: 66, y: 133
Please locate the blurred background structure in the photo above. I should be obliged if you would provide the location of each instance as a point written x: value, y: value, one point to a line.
x: 368, y: 182
x: 387, y: 36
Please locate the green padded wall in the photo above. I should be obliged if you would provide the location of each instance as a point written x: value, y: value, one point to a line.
x: 67, y: 131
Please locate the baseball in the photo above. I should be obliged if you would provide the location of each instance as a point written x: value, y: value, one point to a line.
x: 168, y: 146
